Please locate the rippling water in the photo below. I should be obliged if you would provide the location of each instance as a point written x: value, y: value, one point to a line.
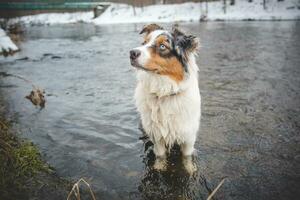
x: 249, y: 80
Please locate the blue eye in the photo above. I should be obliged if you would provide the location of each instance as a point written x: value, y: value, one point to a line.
x: 162, y: 47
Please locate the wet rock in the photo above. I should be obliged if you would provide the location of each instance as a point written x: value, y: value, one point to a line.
x: 47, y: 54
x: 56, y: 57
x: 24, y: 58
x: 51, y: 55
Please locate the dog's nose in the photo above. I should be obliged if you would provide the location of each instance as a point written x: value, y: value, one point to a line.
x: 134, y: 54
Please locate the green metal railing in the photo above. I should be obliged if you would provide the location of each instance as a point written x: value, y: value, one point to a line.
x: 47, y: 5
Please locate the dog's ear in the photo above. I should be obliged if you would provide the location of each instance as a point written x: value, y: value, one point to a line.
x: 149, y: 28
x: 184, y: 44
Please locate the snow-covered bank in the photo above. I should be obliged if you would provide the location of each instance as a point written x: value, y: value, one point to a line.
x: 53, y: 18
x: 6, y: 45
x: 242, y: 10
x: 122, y: 13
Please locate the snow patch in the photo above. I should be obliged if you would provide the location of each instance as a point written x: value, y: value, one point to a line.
x: 54, y: 18
x: 6, y: 45
x: 122, y: 13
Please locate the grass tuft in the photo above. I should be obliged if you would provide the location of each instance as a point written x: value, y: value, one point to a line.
x: 75, y: 191
x: 20, y: 161
x: 215, y: 190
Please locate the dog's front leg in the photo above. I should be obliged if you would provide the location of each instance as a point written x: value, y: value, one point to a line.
x: 160, y: 153
x: 187, y: 150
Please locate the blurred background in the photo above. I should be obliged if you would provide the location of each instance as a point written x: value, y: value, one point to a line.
x: 21, y: 7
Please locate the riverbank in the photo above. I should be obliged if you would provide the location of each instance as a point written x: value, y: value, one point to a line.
x: 211, y: 11
x: 7, y: 47
x: 24, y: 175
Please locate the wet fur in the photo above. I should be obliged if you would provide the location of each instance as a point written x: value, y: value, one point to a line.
x: 167, y: 93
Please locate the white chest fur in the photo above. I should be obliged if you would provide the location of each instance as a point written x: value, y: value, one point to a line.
x: 170, y: 111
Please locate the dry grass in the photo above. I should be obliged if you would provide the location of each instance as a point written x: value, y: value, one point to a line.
x: 76, y: 190
x: 215, y: 190
x: 37, y: 97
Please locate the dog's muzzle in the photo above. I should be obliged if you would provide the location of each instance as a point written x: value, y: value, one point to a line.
x: 134, y: 54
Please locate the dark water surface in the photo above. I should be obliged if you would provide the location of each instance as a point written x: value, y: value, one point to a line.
x: 249, y: 80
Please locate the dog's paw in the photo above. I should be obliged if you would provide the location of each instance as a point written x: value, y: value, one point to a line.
x: 160, y: 164
x: 189, y: 165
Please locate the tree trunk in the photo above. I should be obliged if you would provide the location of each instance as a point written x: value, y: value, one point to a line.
x: 232, y: 2
x: 142, y: 6
x: 264, y: 3
x: 133, y: 6
x: 224, y: 6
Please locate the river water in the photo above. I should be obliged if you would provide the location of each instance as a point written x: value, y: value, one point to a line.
x: 249, y: 80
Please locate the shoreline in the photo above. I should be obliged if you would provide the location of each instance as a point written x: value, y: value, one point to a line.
x: 171, y: 13
x: 24, y: 174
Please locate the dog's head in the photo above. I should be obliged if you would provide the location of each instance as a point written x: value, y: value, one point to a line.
x: 164, y: 52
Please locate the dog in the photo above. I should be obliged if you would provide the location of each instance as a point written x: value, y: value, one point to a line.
x: 167, y: 93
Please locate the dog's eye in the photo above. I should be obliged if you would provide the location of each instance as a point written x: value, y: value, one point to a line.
x: 162, y: 47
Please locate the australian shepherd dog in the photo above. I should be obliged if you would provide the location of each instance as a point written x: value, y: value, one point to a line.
x: 167, y: 93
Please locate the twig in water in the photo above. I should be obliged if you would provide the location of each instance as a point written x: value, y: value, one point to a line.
x: 36, y: 95
x: 76, y: 190
x: 215, y: 190
x: 5, y: 74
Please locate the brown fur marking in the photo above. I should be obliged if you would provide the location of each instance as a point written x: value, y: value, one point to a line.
x: 150, y: 27
x: 169, y: 66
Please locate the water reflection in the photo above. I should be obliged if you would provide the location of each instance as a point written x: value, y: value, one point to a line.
x: 175, y: 183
